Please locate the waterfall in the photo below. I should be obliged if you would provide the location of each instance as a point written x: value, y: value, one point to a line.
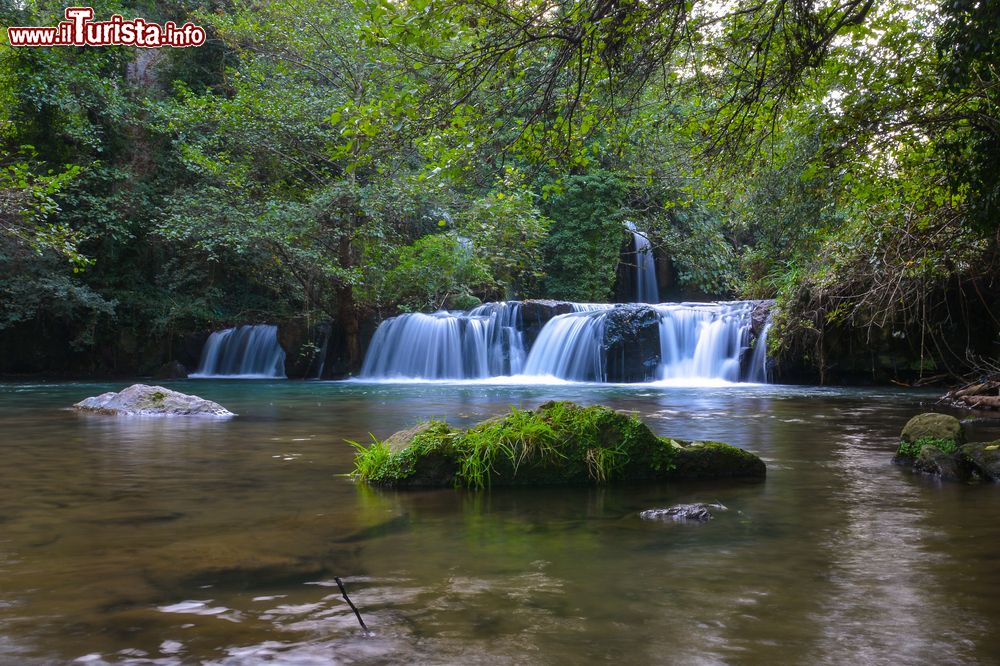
x: 505, y: 352
x: 705, y: 341
x: 758, y: 363
x: 484, y: 342
x: 569, y: 347
x: 586, y: 342
x: 246, y: 351
x: 646, y: 290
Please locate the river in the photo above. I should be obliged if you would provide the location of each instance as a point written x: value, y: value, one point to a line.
x: 176, y: 541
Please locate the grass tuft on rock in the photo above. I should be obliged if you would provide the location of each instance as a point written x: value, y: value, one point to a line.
x: 558, y: 443
x: 912, y: 449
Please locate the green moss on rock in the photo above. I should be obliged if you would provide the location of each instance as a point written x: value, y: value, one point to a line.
x: 984, y: 457
x: 715, y: 460
x: 558, y: 443
x: 940, y: 430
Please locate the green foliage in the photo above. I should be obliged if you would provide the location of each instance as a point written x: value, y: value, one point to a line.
x: 969, y: 42
x: 325, y: 157
x: 912, y: 449
x: 376, y: 463
x: 371, y: 462
x: 701, y: 253
x: 507, y: 231
x: 585, y: 236
x: 29, y: 206
x: 435, y: 272
x: 560, y: 442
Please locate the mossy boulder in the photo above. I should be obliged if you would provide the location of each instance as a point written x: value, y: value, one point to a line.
x: 950, y: 466
x: 714, y: 460
x: 984, y: 458
x: 558, y: 443
x: 144, y: 400
x: 934, y: 444
x: 941, y: 430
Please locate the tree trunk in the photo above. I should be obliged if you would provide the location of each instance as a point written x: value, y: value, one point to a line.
x: 348, y: 311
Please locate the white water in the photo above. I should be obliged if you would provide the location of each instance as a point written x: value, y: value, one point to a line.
x: 250, y: 351
x: 646, y: 290
x: 700, y: 343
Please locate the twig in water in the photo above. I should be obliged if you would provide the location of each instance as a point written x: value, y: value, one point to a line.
x: 354, y: 608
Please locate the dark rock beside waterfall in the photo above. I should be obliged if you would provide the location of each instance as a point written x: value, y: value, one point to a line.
x: 171, y: 370
x: 298, y: 338
x: 536, y: 313
x: 631, y: 343
x: 144, y: 400
x: 558, y: 443
x: 761, y: 314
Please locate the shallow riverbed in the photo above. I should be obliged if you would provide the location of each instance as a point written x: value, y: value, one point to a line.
x: 199, y: 541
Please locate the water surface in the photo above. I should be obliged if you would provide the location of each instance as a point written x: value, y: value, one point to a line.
x: 173, y: 541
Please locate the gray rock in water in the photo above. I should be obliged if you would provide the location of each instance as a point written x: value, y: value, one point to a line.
x: 933, y: 426
x: 683, y: 513
x: 935, y: 462
x: 985, y: 457
x: 143, y: 400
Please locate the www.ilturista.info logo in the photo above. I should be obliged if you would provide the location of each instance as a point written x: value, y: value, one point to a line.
x: 79, y: 29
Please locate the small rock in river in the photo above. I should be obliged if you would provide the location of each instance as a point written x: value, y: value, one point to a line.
x: 143, y: 400
x: 683, y: 513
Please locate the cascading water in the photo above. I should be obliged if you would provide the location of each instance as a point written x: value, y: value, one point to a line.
x: 705, y: 341
x: 442, y: 345
x: 569, y: 347
x: 759, y: 372
x: 250, y: 351
x: 646, y: 289
x: 587, y: 342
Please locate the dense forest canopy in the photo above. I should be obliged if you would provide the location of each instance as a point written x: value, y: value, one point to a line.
x: 353, y: 159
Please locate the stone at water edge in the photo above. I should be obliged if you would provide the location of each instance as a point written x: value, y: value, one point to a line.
x: 936, y: 462
x: 985, y: 457
x: 144, y: 400
x: 933, y: 426
x: 940, y: 430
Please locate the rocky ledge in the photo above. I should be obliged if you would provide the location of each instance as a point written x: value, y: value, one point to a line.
x: 934, y: 444
x: 143, y: 400
x: 558, y: 443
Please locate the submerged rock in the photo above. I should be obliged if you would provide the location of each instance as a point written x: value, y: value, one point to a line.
x: 699, y: 513
x: 558, y: 443
x: 143, y: 400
